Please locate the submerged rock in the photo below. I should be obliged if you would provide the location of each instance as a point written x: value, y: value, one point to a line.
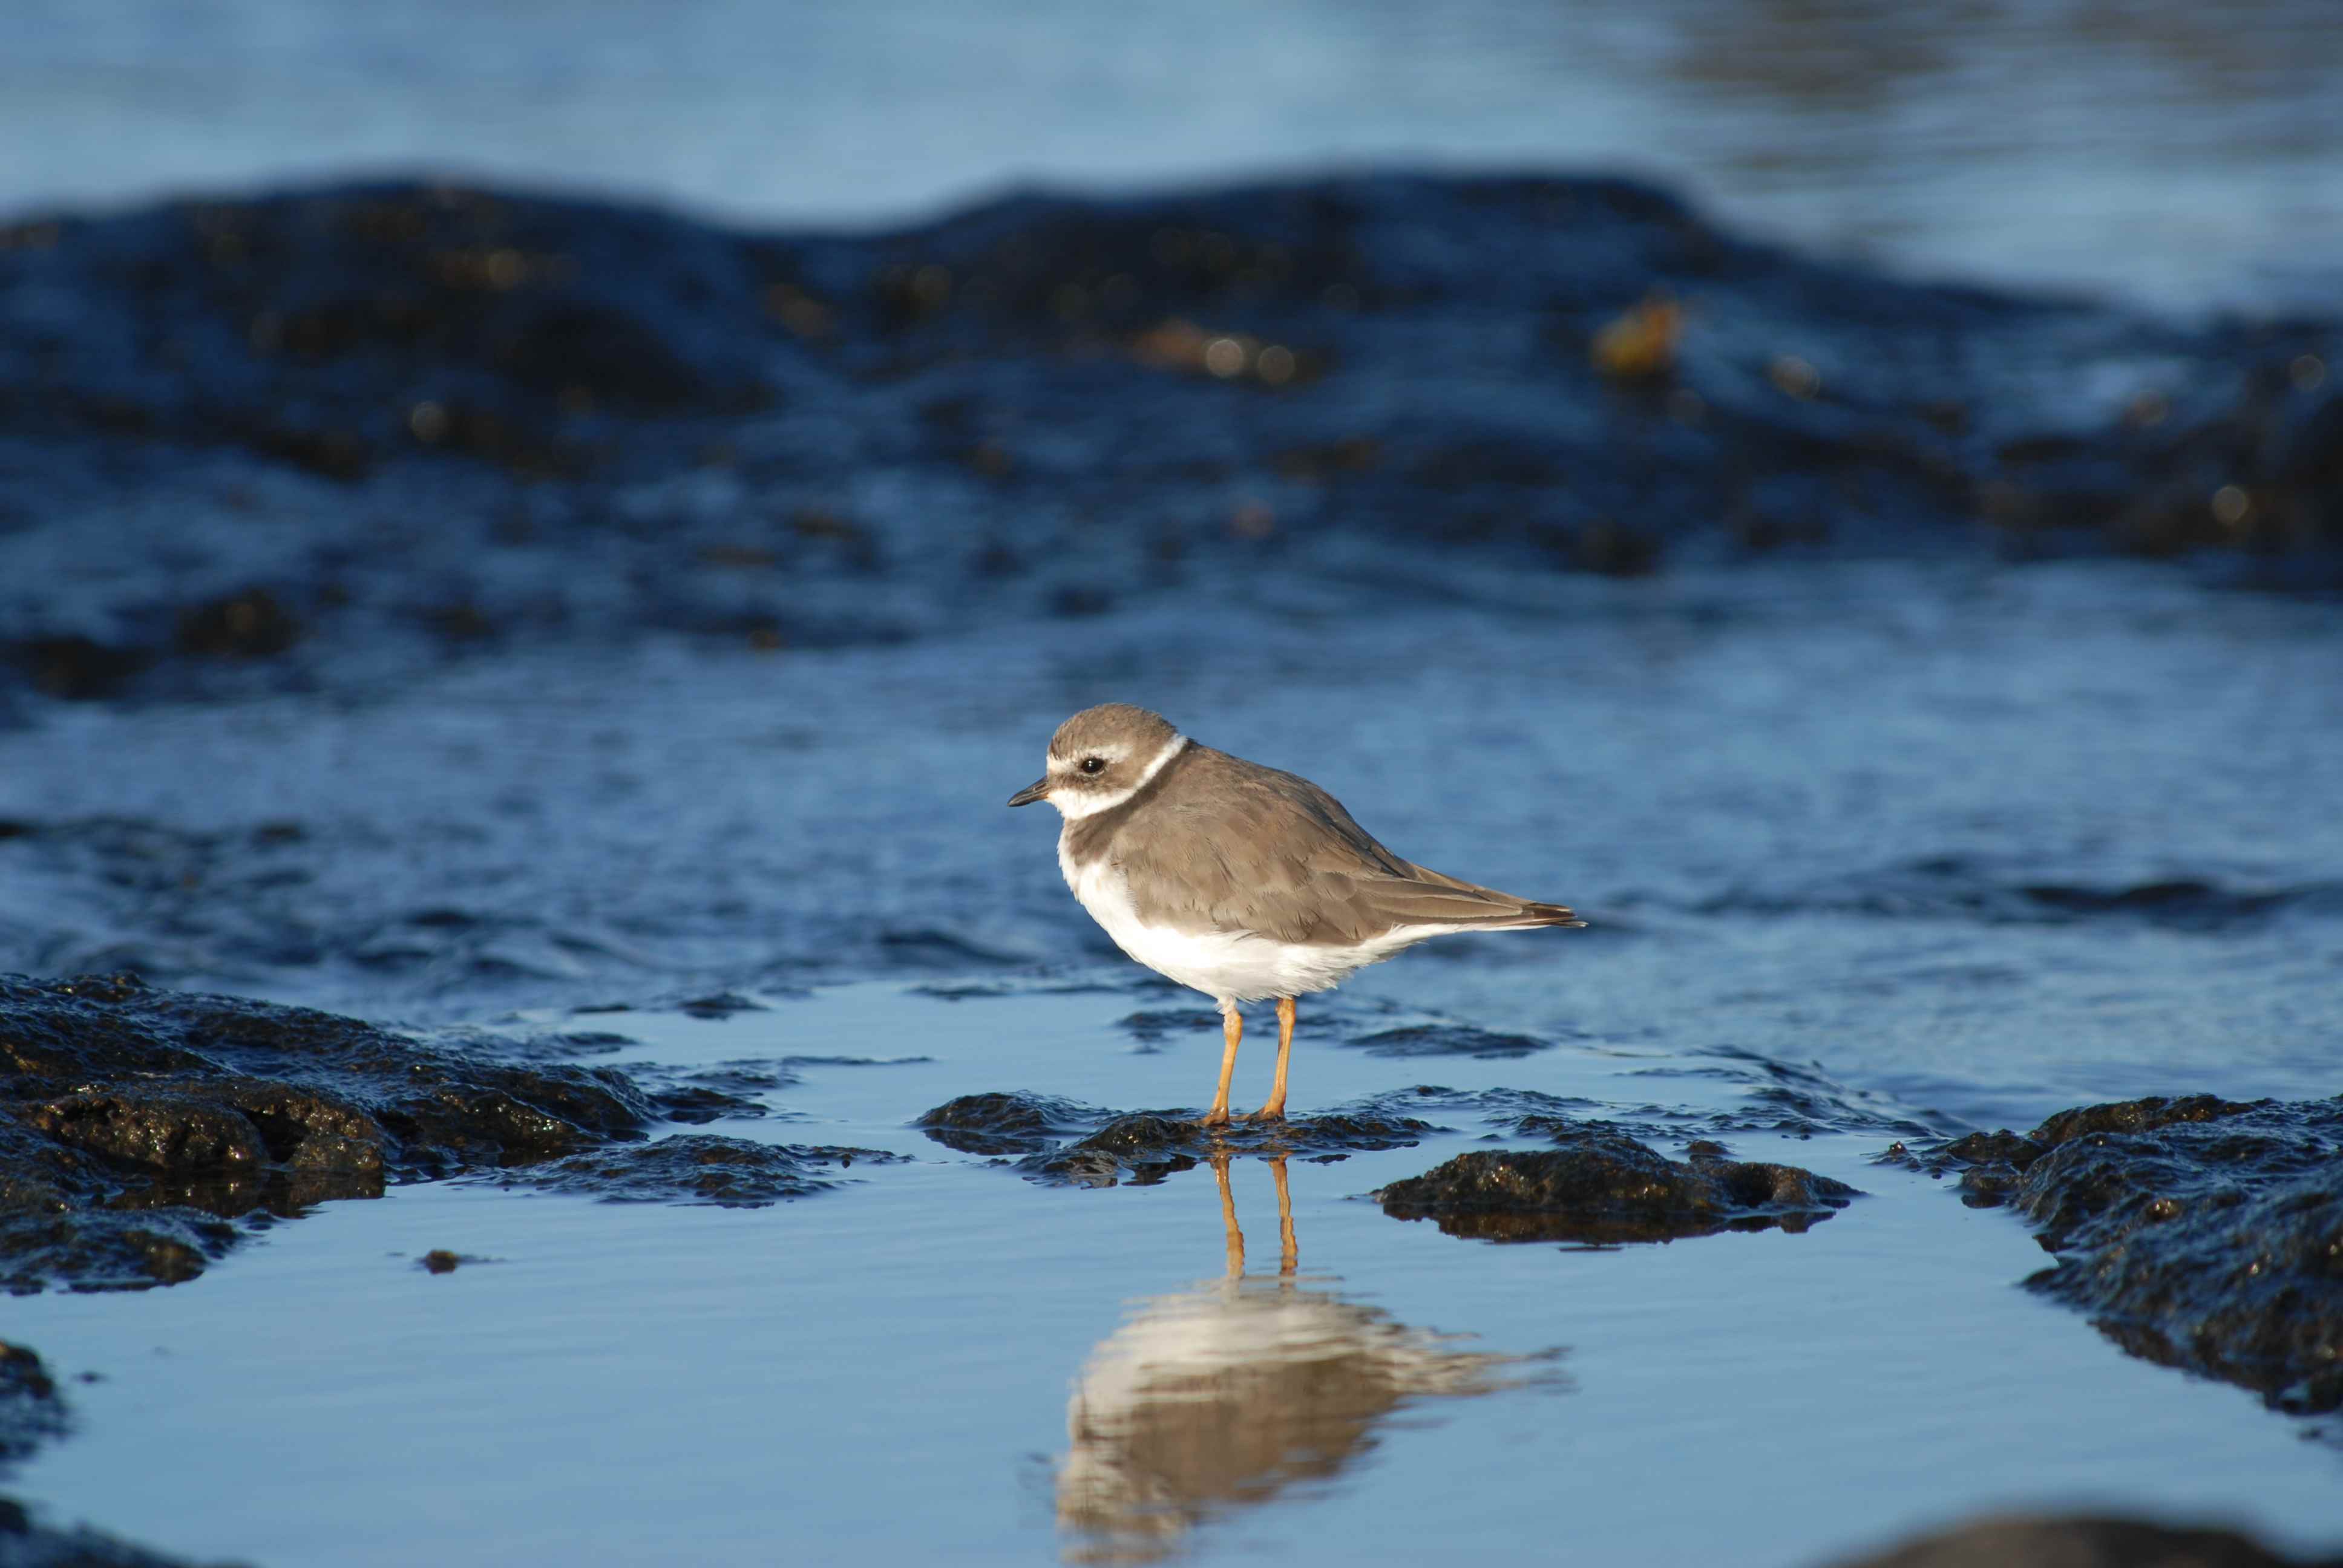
x: 31, y: 1410
x: 2021, y: 1541
x: 729, y: 1172
x: 1449, y: 1040
x: 2198, y: 1232
x: 1144, y: 1146
x: 1603, y: 1187
x: 139, y: 1127
x: 33, y: 1413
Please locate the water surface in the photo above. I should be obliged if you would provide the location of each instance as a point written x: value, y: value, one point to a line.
x: 1868, y: 847
x: 945, y: 1361
x: 2166, y: 151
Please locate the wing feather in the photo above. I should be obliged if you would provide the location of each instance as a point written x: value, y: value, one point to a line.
x: 1239, y: 846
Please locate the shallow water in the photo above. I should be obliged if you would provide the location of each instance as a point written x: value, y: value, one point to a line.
x: 2165, y: 151
x: 1868, y: 847
x: 890, y: 1369
x: 1994, y: 839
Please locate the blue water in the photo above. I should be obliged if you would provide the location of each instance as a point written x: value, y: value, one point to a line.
x: 2163, y: 152
x: 1960, y: 841
x: 891, y: 1372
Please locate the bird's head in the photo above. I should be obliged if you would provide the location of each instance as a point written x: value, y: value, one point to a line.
x: 1101, y: 757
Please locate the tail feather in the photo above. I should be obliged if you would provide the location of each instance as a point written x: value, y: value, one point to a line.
x: 1436, y: 898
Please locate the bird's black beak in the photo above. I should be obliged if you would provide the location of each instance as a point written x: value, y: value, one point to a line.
x: 1037, y: 790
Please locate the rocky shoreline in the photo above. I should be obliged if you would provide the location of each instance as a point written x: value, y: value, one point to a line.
x: 334, y: 431
x: 142, y: 1132
x: 2197, y: 1233
x: 309, y: 442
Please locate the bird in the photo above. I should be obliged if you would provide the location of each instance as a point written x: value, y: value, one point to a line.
x: 1240, y: 881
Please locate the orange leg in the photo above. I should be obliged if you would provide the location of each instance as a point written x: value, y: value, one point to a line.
x: 1232, y: 1031
x: 1273, y: 1108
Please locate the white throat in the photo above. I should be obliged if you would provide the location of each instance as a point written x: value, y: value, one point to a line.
x: 1075, y: 807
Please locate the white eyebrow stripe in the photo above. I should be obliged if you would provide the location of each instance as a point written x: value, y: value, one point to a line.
x: 1075, y: 809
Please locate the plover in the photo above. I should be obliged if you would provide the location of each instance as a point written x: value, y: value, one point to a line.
x: 1238, y: 880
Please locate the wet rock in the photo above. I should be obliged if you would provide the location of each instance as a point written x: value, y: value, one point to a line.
x: 441, y: 1261
x: 722, y: 1004
x: 25, y: 1543
x: 1603, y: 1187
x: 1427, y: 367
x: 33, y: 1413
x: 2022, y: 1541
x: 248, y: 625
x: 1144, y: 1147
x: 1006, y: 1123
x: 76, y: 668
x: 1141, y: 1147
x: 695, y: 1168
x: 1107, y: 1148
x: 31, y: 1410
x: 2197, y: 1233
x: 697, y: 1104
x: 137, y: 1125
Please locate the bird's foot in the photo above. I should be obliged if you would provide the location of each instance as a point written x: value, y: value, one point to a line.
x: 1275, y: 1113
x: 1216, y: 1117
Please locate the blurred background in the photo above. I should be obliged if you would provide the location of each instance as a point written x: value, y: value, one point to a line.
x: 557, y: 524
x: 2183, y: 153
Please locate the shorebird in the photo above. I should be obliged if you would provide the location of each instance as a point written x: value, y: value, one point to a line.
x: 1238, y: 880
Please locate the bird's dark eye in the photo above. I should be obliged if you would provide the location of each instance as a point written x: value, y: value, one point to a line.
x: 1093, y: 764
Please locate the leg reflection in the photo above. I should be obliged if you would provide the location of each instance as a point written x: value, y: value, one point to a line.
x: 1216, y: 1399
x: 1234, y: 1234
x: 1288, y: 1252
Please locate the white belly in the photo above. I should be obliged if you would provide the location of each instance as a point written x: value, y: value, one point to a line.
x: 1228, y: 966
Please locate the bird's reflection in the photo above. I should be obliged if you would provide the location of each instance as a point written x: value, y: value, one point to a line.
x: 1223, y: 1396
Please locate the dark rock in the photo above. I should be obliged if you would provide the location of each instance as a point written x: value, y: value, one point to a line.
x: 2198, y: 1232
x: 699, y: 1103
x: 26, y: 1544
x: 2023, y: 1542
x: 1006, y: 1123
x: 137, y: 1125
x: 440, y: 1261
x: 248, y: 625
x: 33, y: 1413
x: 1602, y: 1187
x: 722, y: 1004
x: 1143, y: 1147
x: 77, y: 668
x: 1412, y: 355
x: 31, y: 1410
x: 695, y: 1168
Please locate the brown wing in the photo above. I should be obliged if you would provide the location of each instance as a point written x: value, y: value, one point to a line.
x: 1239, y: 846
